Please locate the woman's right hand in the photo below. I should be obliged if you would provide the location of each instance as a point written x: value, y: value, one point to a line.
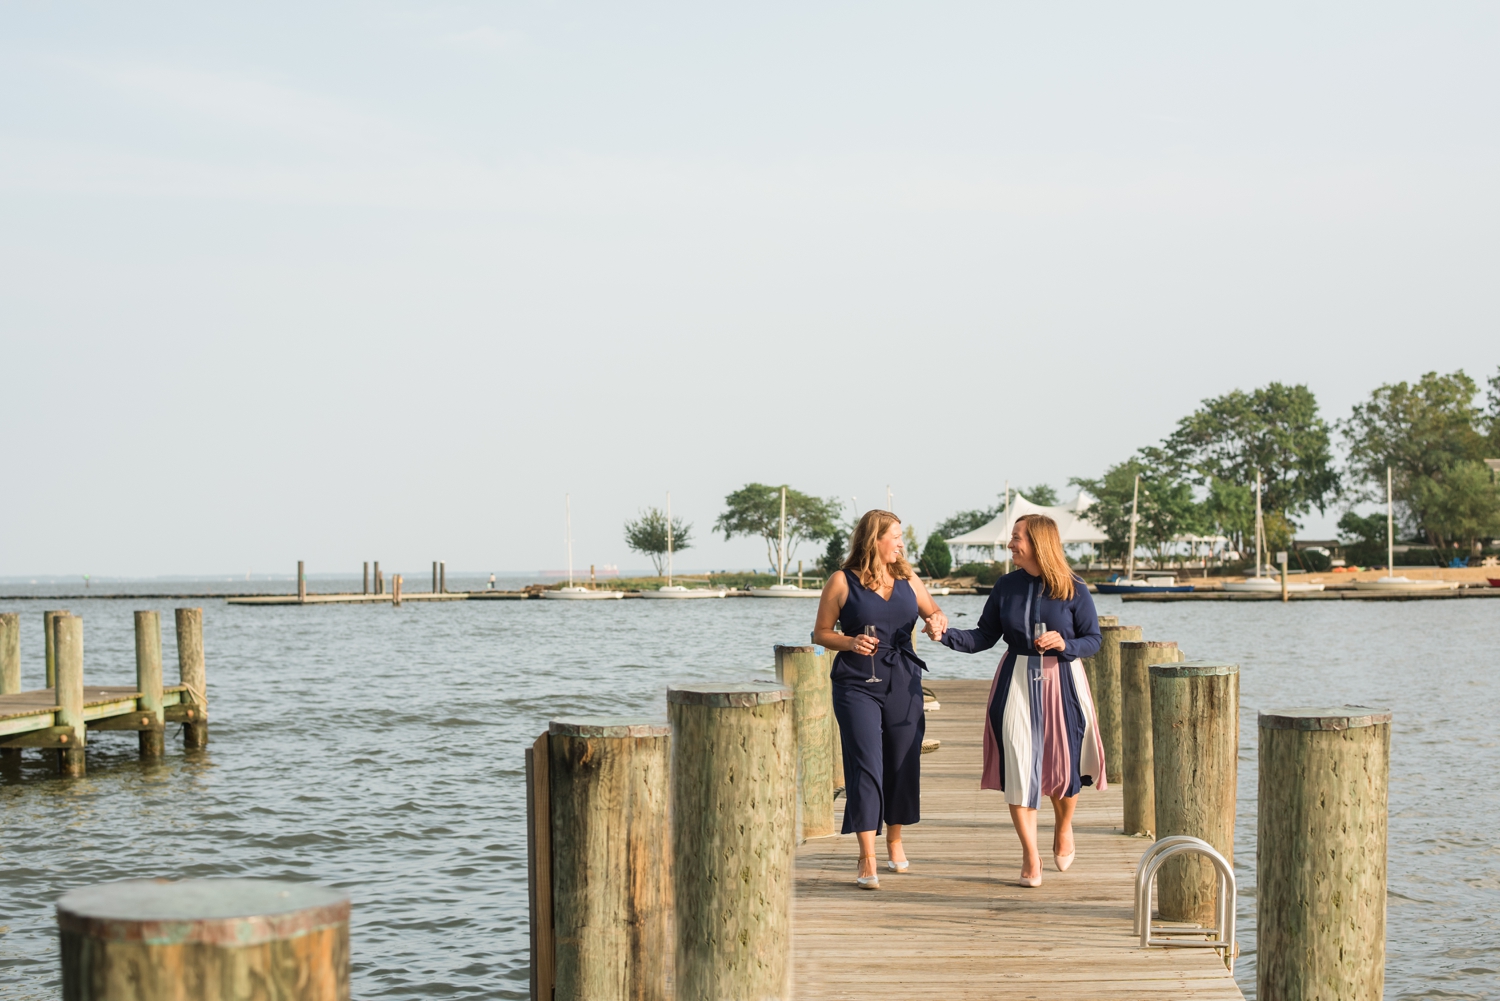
x: 864, y: 645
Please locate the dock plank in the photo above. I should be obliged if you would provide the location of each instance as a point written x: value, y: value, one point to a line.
x: 959, y: 926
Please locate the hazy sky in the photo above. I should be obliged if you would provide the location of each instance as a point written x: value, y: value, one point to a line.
x: 384, y: 281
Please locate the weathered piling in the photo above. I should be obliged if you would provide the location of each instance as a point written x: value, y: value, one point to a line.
x: 611, y: 844
x: 1321, y: 853
x: 365, y: 587
x: 442, y: 576
x: 539, y: 864
x: 379, y: 580
x: 10, y: 653
x: 67, y: 644
x: 193, y: 672
x: 301, y: 582
x: 734, y: 807
x: 396, y: 591
x: 50, y: 644
x: 1105, y: 682
x: 434, y: 577
x: 10, y: 669
x: 804, y: 669
x: 1195, y: 713
x: 1135, y: 730
x: 204, y: 940
x: 148, y: 682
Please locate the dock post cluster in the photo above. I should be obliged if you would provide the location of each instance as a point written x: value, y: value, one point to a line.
x: 660, y: 857
x: 60, y: 716
x: 805, y: 670
x: 1136, y: 656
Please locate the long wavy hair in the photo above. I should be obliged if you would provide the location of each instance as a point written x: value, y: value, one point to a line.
x: 1046, y: 546
x: 864, y: 558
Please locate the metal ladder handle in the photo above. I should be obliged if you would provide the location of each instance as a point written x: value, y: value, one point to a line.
x: 1153, y: 860
x: 1142, y: 886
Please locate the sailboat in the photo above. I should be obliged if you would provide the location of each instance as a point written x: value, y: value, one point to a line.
x: 571, y: 592
x: 1128, y: 584
x: 781, y: 589
x: 1263, y: 582
x: 676, y: 590
x: 1388, y: 583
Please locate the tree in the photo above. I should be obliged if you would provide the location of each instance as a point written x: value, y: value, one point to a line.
x: 648, y: 535
x: 937, y: 559
x: 1166, y: 509
x: 833, y: 555
x: 1041, y: 494
x: 1429, y: 434
x: 1229, y: 510
x: 966, y: 521
x: 909, y: 543
x: 755, y: 509
x: 1274, y: 430
x: 1462, y: 508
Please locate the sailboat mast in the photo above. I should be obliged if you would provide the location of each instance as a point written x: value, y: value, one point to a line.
x: 1135, y: 500
x: 568, y: 521
x: 1260, y: 527
x: 1008, y: 527
x: 1390, y: 527
x: 781, y: 543
x: 669, y: 538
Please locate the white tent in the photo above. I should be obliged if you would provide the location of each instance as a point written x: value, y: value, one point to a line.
x: 1071, y: 525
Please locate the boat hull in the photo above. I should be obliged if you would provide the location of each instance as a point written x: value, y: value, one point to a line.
x: 583, y: 595
x: 785, y: 592
x: 1142, y: 588
x: 686, y: 594
x: 1269, y: 587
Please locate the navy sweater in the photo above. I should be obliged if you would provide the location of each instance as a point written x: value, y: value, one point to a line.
x: 1019, y: 600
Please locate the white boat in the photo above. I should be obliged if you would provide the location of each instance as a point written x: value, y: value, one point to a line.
x: 1262, y: 582
x: 573, y: 592
x: 676, y: 590
x: 781, y: 589
x: 1398, y: 585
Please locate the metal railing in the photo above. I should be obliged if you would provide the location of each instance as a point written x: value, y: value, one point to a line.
x: 1220, y: 937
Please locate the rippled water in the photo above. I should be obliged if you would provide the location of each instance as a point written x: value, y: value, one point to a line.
x: 380, y: 750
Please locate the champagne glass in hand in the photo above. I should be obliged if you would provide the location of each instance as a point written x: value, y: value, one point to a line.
x: 1037, y: 631
x: 870, y: 632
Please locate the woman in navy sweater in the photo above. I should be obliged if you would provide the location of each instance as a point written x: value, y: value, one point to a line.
x: 1041, y: 736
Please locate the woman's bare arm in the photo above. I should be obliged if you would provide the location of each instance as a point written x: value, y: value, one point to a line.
x: 937, y: 622
x: 835, y: 593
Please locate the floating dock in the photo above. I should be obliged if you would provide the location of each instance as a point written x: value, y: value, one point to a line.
x: 1340, y: 594
x: 959, y: 926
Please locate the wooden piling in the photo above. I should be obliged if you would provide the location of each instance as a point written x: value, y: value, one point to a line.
x: 50, y: 635
x: 1104, y: 680
x: 1195, y: 743
x: 301, y: 582
x: 204, y: 940
x: 67, y: 644
x: 539, y: 865
x: 442, y: 576
x: 193, y: 672
x: 379, y: 580
x: 434, y: 577
x: 805, y: 671
x: 611, y: 845
x: 365, y: 587
x: 1136, y: 769
x: 1321, y: 853
x: 10, y: 669
x: 396, y: 592
x: 734, y: 808
x: 148, y: 681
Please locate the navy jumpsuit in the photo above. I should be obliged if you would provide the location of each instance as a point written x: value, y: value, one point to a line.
x: 880, y: 724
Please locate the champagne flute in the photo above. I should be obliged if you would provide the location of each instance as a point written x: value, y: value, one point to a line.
x: 1037, y: 629
x: 870, y: 632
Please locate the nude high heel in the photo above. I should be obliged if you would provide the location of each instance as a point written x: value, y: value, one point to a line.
x: 1030, y: 880
x: 867, y: 882
x: 1063, y: 861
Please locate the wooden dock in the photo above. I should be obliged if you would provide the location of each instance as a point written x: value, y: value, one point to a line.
x: 1332, y: 594
x: 959, y: 926
x: 28, y: 719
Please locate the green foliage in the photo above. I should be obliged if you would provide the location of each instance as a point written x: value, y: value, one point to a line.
x: 1314, y: 562
x: 1041, y: 494
x: 1229, y: 510
x: 983, y: 573
x: 833, y: 555
x: 1275, y: 430
x: 966, y: 521
x: 1166, y: 509
x: 909, y: 544
x: 648, y: 534
x: 937, y: 559
x: 1363, y: 528
x: 755, y: 509
x: 1431, y: 434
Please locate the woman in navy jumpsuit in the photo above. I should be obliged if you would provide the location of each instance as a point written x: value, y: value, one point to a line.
x: 881, y: 722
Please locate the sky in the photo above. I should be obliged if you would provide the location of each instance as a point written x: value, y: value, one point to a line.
x: 356, y: 281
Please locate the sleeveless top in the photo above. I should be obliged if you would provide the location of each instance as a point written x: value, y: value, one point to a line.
x: 892, y: 619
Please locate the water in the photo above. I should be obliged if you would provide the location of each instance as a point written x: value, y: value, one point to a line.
x: 380, y: 750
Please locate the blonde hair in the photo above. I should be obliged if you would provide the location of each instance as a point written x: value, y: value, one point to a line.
x: 1046, y: 547
x: 864, y: 558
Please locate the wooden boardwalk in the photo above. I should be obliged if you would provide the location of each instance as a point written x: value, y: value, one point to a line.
x: 959, y: 926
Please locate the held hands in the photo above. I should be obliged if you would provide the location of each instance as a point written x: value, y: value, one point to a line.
x: 937, y: 624
x: 1050, y: 640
